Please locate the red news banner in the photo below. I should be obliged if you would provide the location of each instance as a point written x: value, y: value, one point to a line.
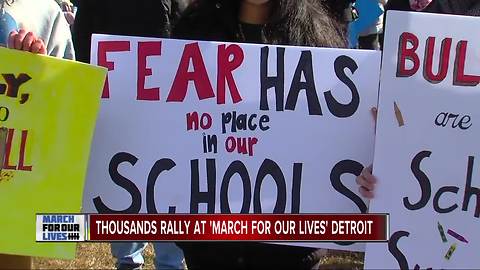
x: 231, y: 227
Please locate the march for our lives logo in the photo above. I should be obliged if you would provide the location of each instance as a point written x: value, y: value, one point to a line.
x: 60, y: 228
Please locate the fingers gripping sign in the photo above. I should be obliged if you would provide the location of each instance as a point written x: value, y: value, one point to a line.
x: 26, y: 41
x: 367, y: 183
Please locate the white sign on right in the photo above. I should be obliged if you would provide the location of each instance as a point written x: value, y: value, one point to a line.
x: 428, y: 144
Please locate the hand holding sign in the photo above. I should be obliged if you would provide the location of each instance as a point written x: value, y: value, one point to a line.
x: 367, y: 182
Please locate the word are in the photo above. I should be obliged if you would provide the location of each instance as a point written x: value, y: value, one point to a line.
x: 462, y: 122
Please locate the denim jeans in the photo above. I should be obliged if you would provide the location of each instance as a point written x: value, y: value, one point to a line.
x: 129, y: 255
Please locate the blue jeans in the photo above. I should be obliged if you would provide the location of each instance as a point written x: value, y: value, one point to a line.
x: 129, y: 255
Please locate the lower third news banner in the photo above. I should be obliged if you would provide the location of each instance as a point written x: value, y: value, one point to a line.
x: 61, y: 228
x: 210, y: 227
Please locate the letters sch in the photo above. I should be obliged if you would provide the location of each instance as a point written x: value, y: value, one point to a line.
x: 209, y: 197
x: 426, y: 190
x: 229, y: 58
x: 407, y: 50
x: 426, y: 194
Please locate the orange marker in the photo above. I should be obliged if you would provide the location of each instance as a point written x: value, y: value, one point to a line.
x: 398, y: 115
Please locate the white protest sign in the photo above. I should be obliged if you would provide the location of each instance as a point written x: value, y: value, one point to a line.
x: 427, y: 144
x: 202, y: 127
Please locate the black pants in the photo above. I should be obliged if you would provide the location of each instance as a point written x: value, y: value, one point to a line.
x: 248, y: 255
x: 369, y: 42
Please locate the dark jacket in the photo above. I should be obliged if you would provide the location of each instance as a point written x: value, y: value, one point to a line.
x: 210, y: 20
x: 217, y: 20
x: 341, y: 9
x: 146, y: 18
x: 249, y: 255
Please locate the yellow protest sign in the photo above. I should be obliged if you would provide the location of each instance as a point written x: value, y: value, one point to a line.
x: 50, y: 107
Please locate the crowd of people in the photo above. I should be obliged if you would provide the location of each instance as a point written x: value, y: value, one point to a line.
x: 63, y: 29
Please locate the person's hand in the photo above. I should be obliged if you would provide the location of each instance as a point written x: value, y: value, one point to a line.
x: 374, y: 113
x: 367, y: 183
x: 70, y: 17
x: 419, y: 5
x: 66, y: 7
x: 26, y: 41
x: 366, y: 180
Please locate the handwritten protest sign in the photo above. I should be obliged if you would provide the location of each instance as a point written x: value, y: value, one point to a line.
x: 202, y: 127
x: 427, y: 144
x: 50, y: 110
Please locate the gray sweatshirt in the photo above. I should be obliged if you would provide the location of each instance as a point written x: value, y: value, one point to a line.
x: 46, y: 20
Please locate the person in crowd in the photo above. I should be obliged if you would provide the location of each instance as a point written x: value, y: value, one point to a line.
x: 369, y: 38
x: 342, y: 11
x: 69, y: 11
x: 436, y: 6
x: 128, y: 255
x: 146, y: 18
x: 7, y: 24
x: 284, y: 22
x: 307, y: 23
x: 464, y: 7
x: 42, y: 18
